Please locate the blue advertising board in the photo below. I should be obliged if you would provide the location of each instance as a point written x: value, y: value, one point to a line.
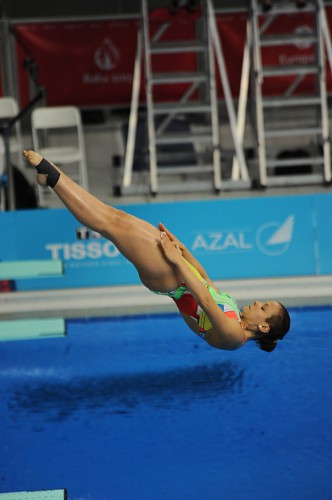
x: 233, y: 239
x: 323, y: 223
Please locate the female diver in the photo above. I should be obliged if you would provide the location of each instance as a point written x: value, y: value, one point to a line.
x: 166, y: 267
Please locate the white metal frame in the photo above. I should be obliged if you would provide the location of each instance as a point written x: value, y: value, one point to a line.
x: 240, y: 170
x: 149, y: 100
x: 243, y: 98
x: 132, y: 126
x: 257, y: 62
x: 227, y: 91
x: 324, y: 43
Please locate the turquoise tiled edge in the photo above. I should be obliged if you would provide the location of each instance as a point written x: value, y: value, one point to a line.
x: 11, y: 270
x: 35, y: 495
x: 22, y: 329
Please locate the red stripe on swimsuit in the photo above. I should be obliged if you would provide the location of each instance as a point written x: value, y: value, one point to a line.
x: 188, y: 305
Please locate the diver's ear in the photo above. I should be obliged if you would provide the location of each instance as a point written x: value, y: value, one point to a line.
x: 264, y: 328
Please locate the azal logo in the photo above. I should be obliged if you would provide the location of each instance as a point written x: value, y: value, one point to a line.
x: 274, y: 238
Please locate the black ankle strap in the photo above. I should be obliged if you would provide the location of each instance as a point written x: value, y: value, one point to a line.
x: 45, y: 167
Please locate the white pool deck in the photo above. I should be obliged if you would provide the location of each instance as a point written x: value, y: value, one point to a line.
x: 129, y: 300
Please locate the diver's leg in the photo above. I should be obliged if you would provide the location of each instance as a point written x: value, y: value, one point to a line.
x: 87, y: 209
x: 135, y: 238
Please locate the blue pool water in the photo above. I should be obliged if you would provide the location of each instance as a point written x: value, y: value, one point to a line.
x: 140, y: 408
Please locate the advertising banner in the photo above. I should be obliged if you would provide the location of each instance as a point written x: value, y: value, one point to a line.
x: 79, y: 63
x: 233, y: 239
x: 323, y: 211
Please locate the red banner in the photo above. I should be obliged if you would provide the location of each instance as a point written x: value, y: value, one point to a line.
x: 81, y: 63
x: 92, y: 63
x: 293, y: 54
x: 232, y: 30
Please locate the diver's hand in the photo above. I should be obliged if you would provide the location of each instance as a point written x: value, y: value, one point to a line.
x: 171, y: 249
x: 172, y: 237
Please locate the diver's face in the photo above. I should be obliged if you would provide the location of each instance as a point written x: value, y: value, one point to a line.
x: 258, y: 312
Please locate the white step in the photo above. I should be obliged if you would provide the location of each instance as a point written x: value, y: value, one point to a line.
x: 178, y: 107
x: 278, y: 9
x: 289, y: 70
x: 293, y: 132
x: 288, y: 39
x: 277, y: 102
x: 177, y: 47
x: 160, y: 78
x: 288, y: 180
x: 295, y: 162
x: 183, y: 138
x: 182, y: 169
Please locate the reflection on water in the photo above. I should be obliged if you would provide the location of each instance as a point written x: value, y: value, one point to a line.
x: 120, y: 394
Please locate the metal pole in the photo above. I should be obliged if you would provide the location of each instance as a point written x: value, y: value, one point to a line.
x: 9, y: 82
x: 132, y: 126
x: 258, y: 73
x: 8, y: 168
x: 256, y: 33
x: 323, y: 35
x: 149, y: 102
x: 243, y: 98
x: 227, y: 92
x: 324, y: 26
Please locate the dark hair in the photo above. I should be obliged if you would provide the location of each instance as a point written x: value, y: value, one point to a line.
x: 279, y: 325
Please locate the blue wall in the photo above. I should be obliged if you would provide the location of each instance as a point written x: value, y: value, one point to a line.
x: 238, y: 238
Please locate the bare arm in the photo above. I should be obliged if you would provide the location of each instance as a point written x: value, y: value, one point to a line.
x: 186, y: 253
x: 226, y: 333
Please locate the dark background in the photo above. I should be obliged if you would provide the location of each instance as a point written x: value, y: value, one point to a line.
x: 76, y: 8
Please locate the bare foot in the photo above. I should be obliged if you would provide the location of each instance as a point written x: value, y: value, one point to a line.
x: 34, y: 159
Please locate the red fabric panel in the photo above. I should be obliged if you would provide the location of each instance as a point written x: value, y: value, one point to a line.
x: 81, y: 63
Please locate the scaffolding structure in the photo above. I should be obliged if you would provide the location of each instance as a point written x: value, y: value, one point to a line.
x: 204, y: 170
x: 306, y: 143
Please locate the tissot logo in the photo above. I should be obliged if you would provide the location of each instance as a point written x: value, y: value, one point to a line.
x: 274, y: 238
x: 91, y: 245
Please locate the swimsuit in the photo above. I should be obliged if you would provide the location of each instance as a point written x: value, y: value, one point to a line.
x: 187, y: 304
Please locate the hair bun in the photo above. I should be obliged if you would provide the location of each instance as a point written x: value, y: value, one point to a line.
x: 267, y: 345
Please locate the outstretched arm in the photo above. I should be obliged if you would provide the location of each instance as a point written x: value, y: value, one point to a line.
x: 226, y: 333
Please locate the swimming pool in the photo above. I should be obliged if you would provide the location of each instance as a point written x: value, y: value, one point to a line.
x: 138, y: 407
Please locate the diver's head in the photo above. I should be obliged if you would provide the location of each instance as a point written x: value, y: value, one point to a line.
x: 267, y: 322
